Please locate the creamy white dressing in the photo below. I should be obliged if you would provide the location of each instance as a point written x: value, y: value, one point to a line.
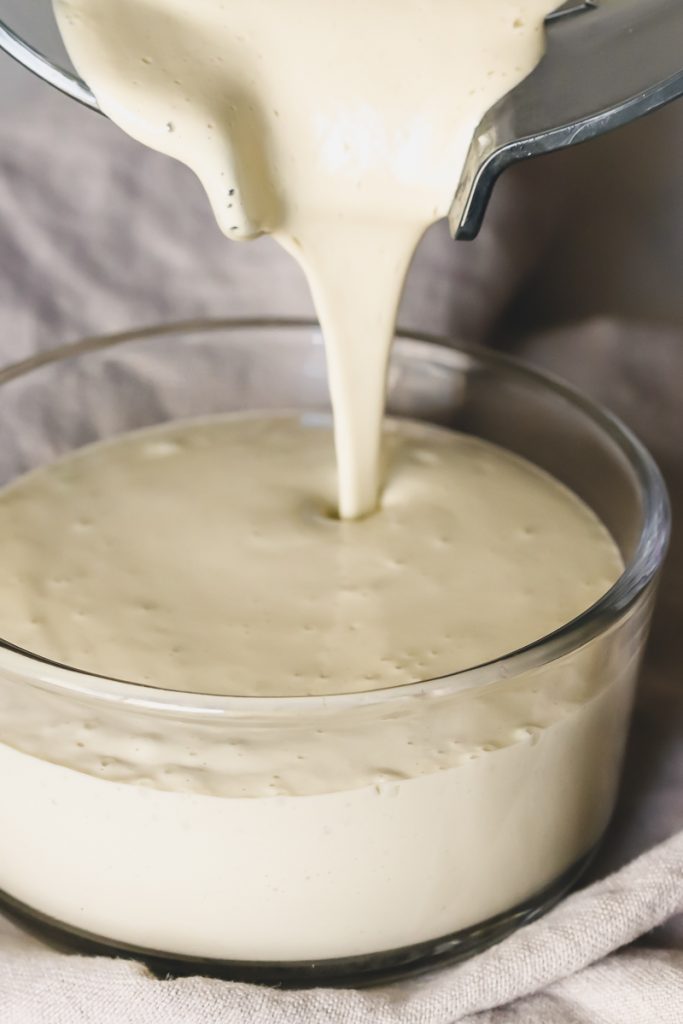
x: 341, y: 129
x: 204, y: 557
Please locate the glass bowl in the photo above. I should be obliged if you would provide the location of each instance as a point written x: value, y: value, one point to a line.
x: 180, y: 828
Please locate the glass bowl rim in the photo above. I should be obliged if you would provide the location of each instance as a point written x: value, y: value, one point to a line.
x: 635, y: 579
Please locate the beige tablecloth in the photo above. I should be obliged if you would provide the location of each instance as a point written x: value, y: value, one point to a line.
x: 97, y: 234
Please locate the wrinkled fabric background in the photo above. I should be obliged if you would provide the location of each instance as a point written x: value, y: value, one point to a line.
x: 578, y: 269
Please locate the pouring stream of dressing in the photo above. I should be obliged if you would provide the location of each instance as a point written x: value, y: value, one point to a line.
x: 340, y: 130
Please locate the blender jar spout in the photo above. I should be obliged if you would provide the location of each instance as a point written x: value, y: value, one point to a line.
x: 606, y: 63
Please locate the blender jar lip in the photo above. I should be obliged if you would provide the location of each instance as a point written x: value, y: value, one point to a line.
x: 636, y: 577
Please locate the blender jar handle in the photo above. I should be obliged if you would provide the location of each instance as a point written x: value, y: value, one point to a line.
x: 62, y: 79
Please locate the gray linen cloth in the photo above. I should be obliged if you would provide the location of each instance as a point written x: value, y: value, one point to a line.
x: 562, y: 969
x: 96, y: 234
